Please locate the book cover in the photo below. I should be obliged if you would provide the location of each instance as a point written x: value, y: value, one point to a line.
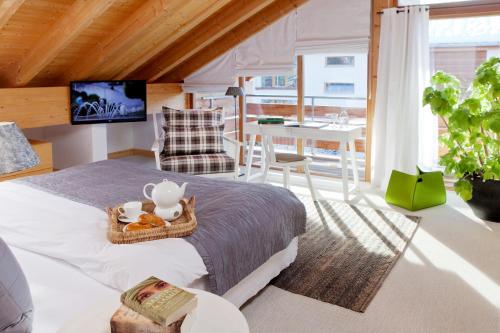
x: 159, y: 301
x: 126, y: 320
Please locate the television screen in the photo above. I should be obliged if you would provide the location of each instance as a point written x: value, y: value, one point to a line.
x: 107, y: 101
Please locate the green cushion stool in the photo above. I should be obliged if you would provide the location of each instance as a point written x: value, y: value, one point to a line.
x: 414, y: 192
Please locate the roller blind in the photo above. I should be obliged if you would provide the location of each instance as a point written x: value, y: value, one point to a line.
x: 270, y: 51
x: 330, y: 26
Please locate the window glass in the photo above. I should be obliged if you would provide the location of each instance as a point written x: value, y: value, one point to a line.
x: 339, y: 88
x: 276, y: 99
x: 460, y: 45
x: 275, y: 82
x: 340, y: 61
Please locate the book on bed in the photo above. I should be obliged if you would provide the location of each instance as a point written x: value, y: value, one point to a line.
x: 159, y: 301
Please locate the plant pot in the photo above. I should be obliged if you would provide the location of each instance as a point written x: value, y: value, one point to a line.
x: 485, y: 202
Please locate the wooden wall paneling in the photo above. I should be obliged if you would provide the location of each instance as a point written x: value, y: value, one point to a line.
x: 201, y: 36
x: 191, y: 18
x: 246, y: 29
x: 7, y: 9
x: 152, y: 27
x: 81, y: 14
x: 377, y: 5
x: 35, y: 107
x: 49, y: 106
x: 165, y: 94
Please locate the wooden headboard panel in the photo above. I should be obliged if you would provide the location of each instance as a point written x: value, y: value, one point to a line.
x: 49, y: 106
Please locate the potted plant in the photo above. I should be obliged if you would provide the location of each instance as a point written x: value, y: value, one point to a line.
x: 473, y: 138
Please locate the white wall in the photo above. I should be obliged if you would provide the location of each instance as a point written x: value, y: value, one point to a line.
x: 144, y: 134
x: 120, y: 136
x: 71, y: 145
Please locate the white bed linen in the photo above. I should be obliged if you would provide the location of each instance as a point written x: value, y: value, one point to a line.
x: 76, y: 233
x: 62, y: 292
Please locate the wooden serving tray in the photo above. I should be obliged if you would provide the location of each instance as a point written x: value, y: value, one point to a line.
x: 183, y: 226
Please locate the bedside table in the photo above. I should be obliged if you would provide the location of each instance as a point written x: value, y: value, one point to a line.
x: 214, y: 314
x: 44, y: 151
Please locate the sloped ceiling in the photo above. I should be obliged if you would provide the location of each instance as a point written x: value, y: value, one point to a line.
x: 51, y: 42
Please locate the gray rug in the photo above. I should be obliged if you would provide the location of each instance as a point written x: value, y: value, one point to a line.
x: 346, y: 253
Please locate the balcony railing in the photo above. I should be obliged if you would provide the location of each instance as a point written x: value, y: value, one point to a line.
x: 313, y: 100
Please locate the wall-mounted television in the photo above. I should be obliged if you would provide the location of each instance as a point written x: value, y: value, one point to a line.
x: 95, y: 102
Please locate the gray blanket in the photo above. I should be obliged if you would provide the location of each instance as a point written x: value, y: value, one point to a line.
x: 240, y: 225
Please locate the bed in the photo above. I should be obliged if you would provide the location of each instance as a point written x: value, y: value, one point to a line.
x: 56, y: 225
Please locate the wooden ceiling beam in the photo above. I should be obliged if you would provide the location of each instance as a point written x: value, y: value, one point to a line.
x: 7, y: 9
x: 229, y: 40
x: 192, y: 17
x: 81, y: 14
x: 224, y: 20
x: 119, y: 48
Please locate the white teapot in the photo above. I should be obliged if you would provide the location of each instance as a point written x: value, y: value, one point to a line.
x: 166, y: 196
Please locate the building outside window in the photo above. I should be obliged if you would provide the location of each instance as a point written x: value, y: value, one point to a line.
x: 339, y: 89
x: 339, y: 61
x: 278, y: 82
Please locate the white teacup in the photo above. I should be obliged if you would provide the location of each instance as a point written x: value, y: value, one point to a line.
x: 131, y: 209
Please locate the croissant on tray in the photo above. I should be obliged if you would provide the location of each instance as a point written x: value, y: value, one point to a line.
x: 146, y: 221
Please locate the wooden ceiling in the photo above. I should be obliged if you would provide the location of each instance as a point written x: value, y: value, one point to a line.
x: 51, y: 42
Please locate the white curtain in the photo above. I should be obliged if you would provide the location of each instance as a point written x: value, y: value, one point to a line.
x: 404, y: 134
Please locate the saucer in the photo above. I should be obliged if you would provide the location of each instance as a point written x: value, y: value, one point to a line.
x: 126, y: 219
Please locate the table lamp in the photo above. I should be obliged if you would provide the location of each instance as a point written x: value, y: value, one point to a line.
x: 15, y: 150
x: 235, y: 92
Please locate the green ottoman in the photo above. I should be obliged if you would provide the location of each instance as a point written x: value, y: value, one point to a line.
x: 414, y: 192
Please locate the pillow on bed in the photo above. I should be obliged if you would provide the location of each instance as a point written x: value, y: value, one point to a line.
x: 16, y: 306
x: 193, y: 140
x: 193, y: 117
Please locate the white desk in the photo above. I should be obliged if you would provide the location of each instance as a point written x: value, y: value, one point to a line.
x: 346, y: 134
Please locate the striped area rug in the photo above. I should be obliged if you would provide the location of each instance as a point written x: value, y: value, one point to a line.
x: 346, y: 253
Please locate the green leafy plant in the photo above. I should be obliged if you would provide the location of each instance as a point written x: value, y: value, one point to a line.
x: 473, y: 121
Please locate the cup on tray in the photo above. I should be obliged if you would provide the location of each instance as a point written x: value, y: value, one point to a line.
x: 131, y: 209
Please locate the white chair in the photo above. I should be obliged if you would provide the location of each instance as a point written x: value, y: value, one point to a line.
x: 284, y: 161
x: 231, y: 147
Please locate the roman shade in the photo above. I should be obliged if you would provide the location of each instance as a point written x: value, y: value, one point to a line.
x: 333, y: 26
x: 319, y: 26
x: 214, y: 77
x: 270, y: 51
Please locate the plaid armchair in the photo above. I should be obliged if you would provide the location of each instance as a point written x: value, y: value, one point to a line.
x: 192, y: 141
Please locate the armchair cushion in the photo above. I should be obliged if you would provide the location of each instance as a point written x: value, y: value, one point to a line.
x: 193, y: 117
x: 198, y: 164
x: 193, y: 140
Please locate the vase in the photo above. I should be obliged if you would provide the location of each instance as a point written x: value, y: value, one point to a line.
x: 485, y: 202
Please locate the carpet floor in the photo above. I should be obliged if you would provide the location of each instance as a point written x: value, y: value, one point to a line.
x: 346, y: 252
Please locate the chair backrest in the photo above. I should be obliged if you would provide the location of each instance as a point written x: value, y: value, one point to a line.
x: 184, y: 117
x: 267, y: 143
